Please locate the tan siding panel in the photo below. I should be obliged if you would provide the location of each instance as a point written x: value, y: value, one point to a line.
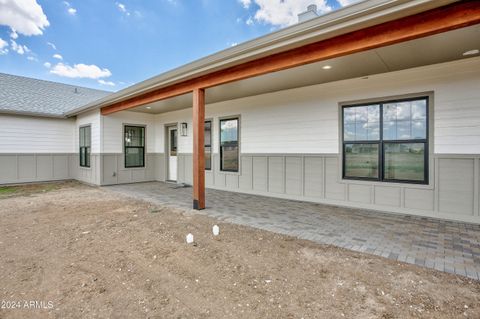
x: 245, y: 179
x: 456, y: 186
x: 359, y: 193
x: 45, y: 167
x: 314, y: 176
x: 276, y: 174
x: 260, y: 173
x: 293, y: 175
x: 27, y: 167
x: 419, y: 199
x: 333, y: 189
x: 387, y: 196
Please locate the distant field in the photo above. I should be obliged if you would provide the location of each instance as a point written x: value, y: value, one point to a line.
x: 405, y: 166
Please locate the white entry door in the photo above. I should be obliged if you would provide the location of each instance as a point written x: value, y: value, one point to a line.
x: 172, y: 153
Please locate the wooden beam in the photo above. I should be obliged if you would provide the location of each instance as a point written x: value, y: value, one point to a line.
x: 198, y: 148
x: 457, y: 15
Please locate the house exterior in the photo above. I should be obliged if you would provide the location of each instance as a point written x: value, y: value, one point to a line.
x: 374, y: 106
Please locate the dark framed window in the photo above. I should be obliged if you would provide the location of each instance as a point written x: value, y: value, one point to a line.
x: 85, y: 142
x: 229, y: 151
x: 386, y: 141
x: 208, y: 145
x: 134, y: 146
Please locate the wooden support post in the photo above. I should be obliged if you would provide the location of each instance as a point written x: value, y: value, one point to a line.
x: 198, y: 149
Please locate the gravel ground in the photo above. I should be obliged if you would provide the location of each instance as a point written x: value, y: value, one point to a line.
x: 72, y: 251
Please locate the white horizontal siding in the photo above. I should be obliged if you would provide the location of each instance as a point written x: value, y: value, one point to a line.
x: 25, y: 134
x: 184, y: 143
x: 112, y: 128
x: 306, y: 120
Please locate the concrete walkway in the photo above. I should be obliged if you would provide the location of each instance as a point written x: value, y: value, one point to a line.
x: 443, y: 245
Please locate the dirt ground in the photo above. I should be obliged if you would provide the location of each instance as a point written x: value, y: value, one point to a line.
x: 72, y: 251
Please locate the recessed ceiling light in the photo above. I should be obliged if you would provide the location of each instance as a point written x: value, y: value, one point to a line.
x: 148, y: 107
x: 471, y: 52
x: 326, y: 67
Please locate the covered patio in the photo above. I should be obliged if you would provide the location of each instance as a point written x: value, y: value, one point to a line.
x: 448, y: 246
x: 355, y: 52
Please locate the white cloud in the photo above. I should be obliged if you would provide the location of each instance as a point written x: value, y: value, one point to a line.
x: 246, y: 3
x: 53, y: 46
x: 249, y: 21
x: 121, y: 7
x: 71, y: 10
x: 3, y: 43
x: 14, y: 35
x: 48, y: 65
x: 32, y: 58
x: 23, y: 16
x: 20, y: 49
x: 108, y: 83
x: 80, y: 71
x: 3, y: 47
x: 135, y: 13
x: 344, y: 3
x: 57, y: 56
x: 283, y: 12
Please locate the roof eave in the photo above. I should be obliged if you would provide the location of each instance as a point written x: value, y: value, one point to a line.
x: 350, y: 18
x: 34, y: 114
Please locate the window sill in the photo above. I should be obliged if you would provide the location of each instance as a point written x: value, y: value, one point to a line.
x: 133, y: 168
x: 229, y: 173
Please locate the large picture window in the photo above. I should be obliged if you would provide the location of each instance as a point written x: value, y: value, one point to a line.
x: 386, y: 141
x: 134, y: 145
x: 229, y: 152
x: 85, y: 141
x: 208, y: 145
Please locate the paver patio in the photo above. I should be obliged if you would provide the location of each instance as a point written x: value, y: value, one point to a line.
x: 448, y: 246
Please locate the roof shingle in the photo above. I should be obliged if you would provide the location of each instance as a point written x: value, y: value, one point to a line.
x: 20, y: 94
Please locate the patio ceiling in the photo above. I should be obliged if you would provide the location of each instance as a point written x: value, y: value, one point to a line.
x: 444, y: 47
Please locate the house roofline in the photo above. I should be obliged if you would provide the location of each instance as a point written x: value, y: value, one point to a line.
x: 351, y: 18
x: 34, y: 114
x: 56, y: 82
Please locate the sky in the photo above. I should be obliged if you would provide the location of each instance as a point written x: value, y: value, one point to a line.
x: 110, y: 45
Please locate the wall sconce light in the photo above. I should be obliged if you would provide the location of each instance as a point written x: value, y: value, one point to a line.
x: 183, y: 129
